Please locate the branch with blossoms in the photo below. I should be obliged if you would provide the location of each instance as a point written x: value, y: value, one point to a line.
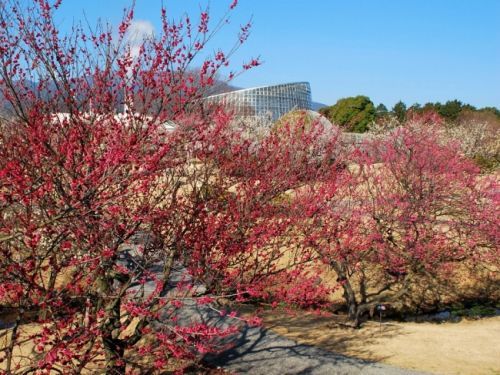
x: 83, y: 180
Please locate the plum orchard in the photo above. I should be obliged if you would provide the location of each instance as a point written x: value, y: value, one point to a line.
x: 99, y: 207
x: 411, y: 208
x: 76, y: 188
x: 81, y: 184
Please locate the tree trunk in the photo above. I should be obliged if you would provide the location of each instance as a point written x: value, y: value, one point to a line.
x: 114, y: 347
x: 12, y: 343
x: 115, y: 363
x: 349, y: 294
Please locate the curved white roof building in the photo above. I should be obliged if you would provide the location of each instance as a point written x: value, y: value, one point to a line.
x: 266, y: 101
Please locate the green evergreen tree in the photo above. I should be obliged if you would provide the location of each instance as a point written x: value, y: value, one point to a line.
x: 381, y: 110
x: 399, y: 110
x: 451, y: 109
x: 352, y: 113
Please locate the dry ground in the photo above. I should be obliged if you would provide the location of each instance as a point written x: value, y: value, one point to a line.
x: 468, y: 347
x: 25, y: 356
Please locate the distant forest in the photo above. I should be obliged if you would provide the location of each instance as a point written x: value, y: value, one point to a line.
x: 358, y: 112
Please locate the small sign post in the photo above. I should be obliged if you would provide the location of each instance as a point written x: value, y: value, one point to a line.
x: 380, y: 308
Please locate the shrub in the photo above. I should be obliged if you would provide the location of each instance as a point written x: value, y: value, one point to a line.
x: 354, y: 114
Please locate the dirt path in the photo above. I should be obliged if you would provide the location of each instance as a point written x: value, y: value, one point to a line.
x: 263, y: 352
x: 468, y: 347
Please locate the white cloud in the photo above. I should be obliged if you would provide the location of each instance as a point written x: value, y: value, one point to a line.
x: 137, y: 32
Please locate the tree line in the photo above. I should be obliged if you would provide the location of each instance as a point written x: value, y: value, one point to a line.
x: 357, y: 113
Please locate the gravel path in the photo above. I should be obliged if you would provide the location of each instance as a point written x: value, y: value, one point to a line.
x: 260, y: 351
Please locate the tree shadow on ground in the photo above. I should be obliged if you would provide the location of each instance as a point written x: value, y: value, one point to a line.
x: 261, y: 351
x: 331, y: 333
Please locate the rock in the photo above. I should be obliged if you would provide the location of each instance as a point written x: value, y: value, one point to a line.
x: 442, y: 315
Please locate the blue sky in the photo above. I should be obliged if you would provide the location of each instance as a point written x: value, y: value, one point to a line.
x: 416, y: 51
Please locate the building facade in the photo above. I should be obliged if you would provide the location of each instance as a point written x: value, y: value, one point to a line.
x: 267, y: 101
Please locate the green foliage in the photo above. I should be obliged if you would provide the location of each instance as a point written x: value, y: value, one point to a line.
x: 450, y: 110
x: 381, y: 110
x: 352, y: 113
x: 431, y: 107
x: 472, y: 108
x: 325, y: 111
x: 355, y: 113
x: 487, y: 164
x: 399, y: 110
x: 415, y: 107
x: 493, y: 110
x: 476, y: 311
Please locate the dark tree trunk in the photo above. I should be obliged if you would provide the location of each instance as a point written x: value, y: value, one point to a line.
x: 115, y: 363
x: 349, y: 294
